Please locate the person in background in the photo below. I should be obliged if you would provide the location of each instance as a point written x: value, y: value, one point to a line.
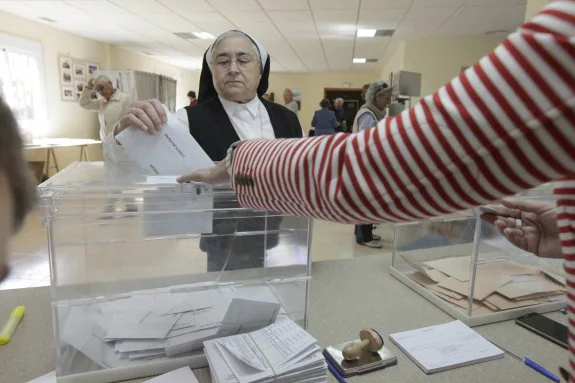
x: 289, y: 101
x: 339, y: 114
x: 234, y: 77
x: 378, y: 97
x: 111, y: 105
x: 17, y: 191
x: 192, y: 98
x: 324, y: 121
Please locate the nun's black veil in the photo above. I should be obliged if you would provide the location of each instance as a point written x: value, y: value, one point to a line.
x: 206, y: 89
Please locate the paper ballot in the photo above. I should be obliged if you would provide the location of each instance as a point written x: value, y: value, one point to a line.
x: 171, y: 152
x: 281, y: 352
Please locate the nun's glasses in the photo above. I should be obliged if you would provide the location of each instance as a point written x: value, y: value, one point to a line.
x: 223, y: 63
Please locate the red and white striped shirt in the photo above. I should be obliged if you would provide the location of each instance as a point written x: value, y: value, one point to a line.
x: 504, y: 125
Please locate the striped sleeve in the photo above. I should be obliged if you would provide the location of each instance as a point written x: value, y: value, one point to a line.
x: 565, y: 192
x: 503, y: 125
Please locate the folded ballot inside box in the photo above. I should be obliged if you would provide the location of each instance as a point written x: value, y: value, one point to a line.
x: 280, y: 352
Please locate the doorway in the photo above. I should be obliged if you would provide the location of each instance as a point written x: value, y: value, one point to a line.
x: 351, y: 101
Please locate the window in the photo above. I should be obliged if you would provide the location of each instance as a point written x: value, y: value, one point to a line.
x: 22, y: 82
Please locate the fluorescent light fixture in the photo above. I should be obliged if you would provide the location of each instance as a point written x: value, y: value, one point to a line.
x: 358, y: 60
x: 203, y: 35
x: 366, y: 32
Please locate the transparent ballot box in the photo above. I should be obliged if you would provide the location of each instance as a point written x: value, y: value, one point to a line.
x: 467, y: 268
x: 143, y: 270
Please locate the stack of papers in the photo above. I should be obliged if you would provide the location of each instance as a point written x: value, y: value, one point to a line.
x: 281, y: 352
x: 445, y: 346
x: 164, y: 323
x: 500, y: 284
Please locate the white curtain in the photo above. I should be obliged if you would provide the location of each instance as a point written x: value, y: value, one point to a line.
x: 167, y: 94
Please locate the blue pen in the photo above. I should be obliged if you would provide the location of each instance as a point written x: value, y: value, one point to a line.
x: 534, y: 365
x: 334, y: 372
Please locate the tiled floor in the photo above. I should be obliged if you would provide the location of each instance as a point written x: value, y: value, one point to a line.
x: 30, y: 265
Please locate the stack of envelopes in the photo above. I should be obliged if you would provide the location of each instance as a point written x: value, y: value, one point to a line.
x: 500, y: 283
x: 281, y: 352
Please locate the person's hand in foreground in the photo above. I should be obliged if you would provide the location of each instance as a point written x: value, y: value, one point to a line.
x: 531, y: 226
x: 216, y: 175
x: 149, y: 116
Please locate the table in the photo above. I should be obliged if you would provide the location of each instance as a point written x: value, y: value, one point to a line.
x: 345, y: 296
x: 52, y: 143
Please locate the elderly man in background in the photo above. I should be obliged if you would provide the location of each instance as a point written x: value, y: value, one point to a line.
x: 111, y: 105
x: 377, y: 99
x: 289, y: 102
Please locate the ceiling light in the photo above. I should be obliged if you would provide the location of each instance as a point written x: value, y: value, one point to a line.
x: 366, y: 32
x: 357, y: 60
x: 203, y: 35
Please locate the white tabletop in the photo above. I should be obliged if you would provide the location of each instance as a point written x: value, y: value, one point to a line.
x: 47, y: 143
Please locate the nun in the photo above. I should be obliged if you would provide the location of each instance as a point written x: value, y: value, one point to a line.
x: 230, y: 108
x: 234, y: 79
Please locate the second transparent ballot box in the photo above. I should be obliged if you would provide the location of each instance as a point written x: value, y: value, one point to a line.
x: 143, y: 270
x: 466, y: 267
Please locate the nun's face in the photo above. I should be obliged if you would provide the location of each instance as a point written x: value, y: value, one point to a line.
x: 236, y: 69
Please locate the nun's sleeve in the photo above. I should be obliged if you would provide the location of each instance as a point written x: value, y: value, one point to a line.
x: 504, y: 125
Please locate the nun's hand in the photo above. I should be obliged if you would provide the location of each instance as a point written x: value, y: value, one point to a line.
x: 149, y: 116
x: 217, y: 175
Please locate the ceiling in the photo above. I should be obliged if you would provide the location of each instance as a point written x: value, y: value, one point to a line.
x: 301, y: 35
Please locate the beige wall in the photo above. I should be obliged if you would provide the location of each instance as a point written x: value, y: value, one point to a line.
x: 439, y: 60
x: 393, y: 59
x: 312, y: 85
x: 68, y: 119
x: 533, y: 7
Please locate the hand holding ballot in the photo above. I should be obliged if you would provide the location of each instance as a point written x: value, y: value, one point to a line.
x: 531, y: 226
x: 149, y: 116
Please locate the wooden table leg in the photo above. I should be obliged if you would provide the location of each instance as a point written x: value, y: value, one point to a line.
x: 55, y: 160
x: 47, y: 164
x: 84, y: 153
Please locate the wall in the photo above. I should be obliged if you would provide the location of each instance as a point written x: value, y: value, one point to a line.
x: 311, y: 86
x: 68, y: 119
x: 533, y: 7
x: 393, y: 59
x: 439, y: 60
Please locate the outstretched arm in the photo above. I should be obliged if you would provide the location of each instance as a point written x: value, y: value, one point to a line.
x: 504, y: 125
